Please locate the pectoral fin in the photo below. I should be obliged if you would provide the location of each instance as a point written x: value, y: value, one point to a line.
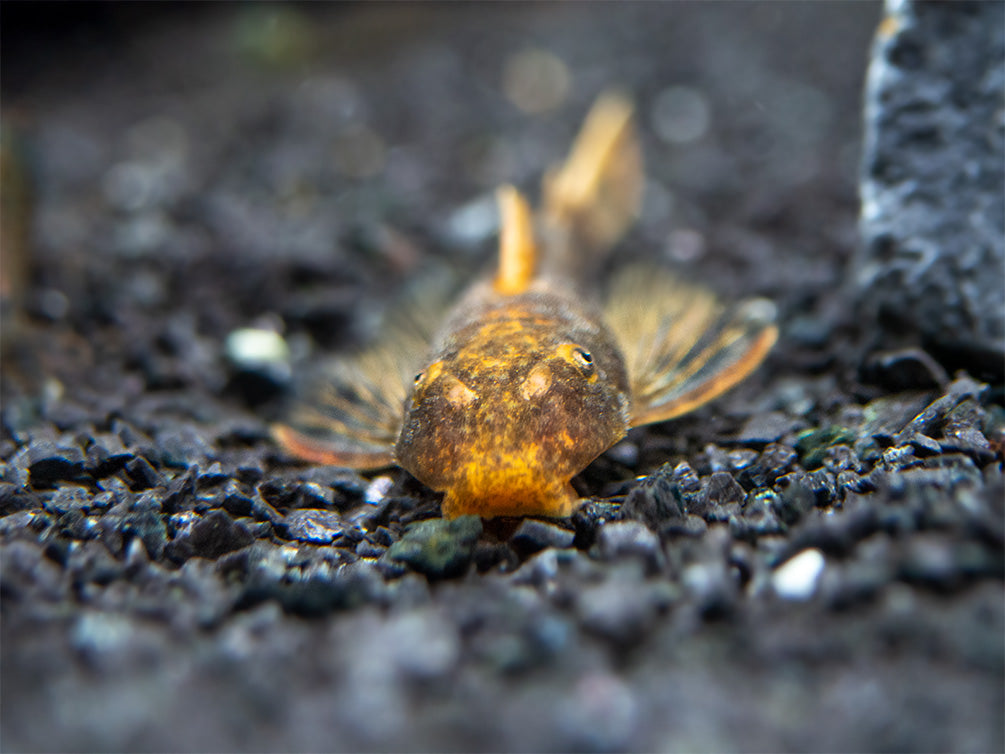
x: 682, y: 346
x: 350, y: 413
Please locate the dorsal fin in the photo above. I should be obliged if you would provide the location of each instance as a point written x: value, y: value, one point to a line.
x: 597, y: 192
x: 517, y: 248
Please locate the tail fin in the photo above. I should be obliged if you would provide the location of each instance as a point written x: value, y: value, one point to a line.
x: 595, y: 195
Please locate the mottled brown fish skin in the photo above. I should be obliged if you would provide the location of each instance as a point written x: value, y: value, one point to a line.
x: 522, y: 393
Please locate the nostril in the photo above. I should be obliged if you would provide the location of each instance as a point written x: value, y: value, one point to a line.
x: 537, y: 383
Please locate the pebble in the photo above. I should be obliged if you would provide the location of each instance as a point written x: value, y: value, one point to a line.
x: 48, y: 463
x: 141, y: 475
x: 284, y: 493
x: 796, y: 497
x: 656, y: 500
x: 630, y: 539
x: 437, y: 548
x: 775, y: 461
x: 764, y: 428
x: 183, y: 446
x: 796, y: 578
x: 377, y: 489
x: 711, y: 588
x: 721, y: 497
x: 533, y: 536
x: 908, y: 369
x: 812, y: 444
x: 314, y: 526
x: 215, y: 534
x: 620, y: 609
x: 106, y: 455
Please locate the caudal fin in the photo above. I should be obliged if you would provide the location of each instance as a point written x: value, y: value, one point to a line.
x: 594, y: 196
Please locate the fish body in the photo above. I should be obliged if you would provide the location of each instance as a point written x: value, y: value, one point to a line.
x: 528, y: 379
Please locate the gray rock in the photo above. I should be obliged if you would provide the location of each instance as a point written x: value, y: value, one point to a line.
x: 141, y: 475
x: 438, y: 548
x: 933, y: 221
x: 533, y: 536
x: 630, y: 539
x: 214, y: 535
x: 314, y: 526
x: 48, y: 463
x: 761, y: 429
x: 656, y: 500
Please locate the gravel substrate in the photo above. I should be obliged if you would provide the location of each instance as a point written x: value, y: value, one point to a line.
x: 813, y: 562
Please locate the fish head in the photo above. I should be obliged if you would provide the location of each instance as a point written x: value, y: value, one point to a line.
x: 510, y: 411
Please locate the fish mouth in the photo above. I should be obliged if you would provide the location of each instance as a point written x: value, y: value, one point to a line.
x: 504, y: 494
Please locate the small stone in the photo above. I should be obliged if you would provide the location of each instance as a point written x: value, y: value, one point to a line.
x: 149, y: 527
x: 656, y: 500
x: 181, y: 492
x: 884, y: 418
x: 377, y: 489
x: 216, y: 534
x: 721, y: 497
x: 712, y: 588
x: 211, y: 476
x: 907, y: 369
x: 234, y: 500
x: 314, y: 526
x: 775, y: 461
x: 630, y: 539
x: 533, y: 536
x: 590, y: 517
x: 619, y: 609
x: 796, y: 578
x: 796, y: 497
x: 691, y: 526
x: 494, y: 555
x: 250, y: 470
x: 438, y: 548
x: 758, y: 519
x: 106, y: 455
x: 141, y: 475
x: 813, y: 443
x: 48, y: 463
x: 182, y: 446
x: 366, y: 549
x: 764, y: 428
x: 924, y: 445
x: 68, y: 497
x: 286, y: 494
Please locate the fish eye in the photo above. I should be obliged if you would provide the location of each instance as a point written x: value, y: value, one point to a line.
x: 580, y: 357
x: 418, y: 378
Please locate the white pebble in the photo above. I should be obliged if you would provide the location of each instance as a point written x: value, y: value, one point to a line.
x: 249, y: 346
x: 377, y: 489
x: 797, y: 578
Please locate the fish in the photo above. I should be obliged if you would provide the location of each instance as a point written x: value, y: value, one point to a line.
x: 533, y: 373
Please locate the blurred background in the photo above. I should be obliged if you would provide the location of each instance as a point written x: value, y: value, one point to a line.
x: 300, y: 162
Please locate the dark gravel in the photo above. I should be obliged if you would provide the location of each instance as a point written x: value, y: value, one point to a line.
x: 223, y: 195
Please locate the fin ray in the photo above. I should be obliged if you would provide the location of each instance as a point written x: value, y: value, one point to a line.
x: 517, y: 249
x: 596, y: 193
x: 682, y: 346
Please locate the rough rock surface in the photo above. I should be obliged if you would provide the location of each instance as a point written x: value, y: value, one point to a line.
x: 813, y: 562
x: 933, y: 202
